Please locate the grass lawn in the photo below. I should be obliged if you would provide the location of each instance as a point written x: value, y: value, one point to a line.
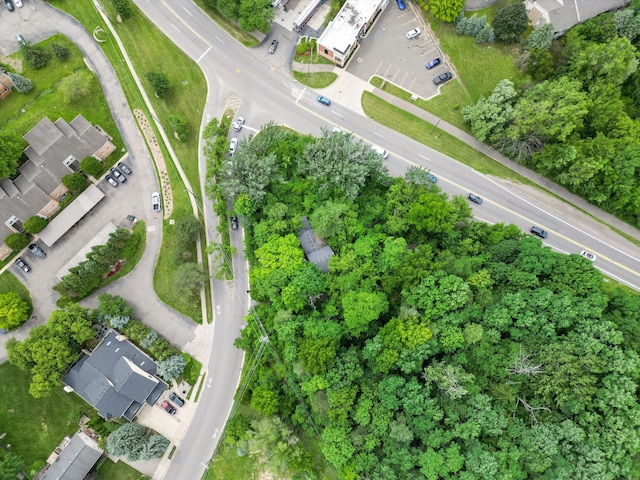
x: 108, y: 470
x: 35, y: 426
x: 315, y: 80
x: 310, y: 53
x: 424, y: 132
x: 21, y: 111
x: 441, y: 105
x: 227, y: 465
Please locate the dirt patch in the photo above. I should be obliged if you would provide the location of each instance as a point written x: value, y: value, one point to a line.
x: 13, y: 64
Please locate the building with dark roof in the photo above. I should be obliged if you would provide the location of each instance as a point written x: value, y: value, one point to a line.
x: 72, y: 459
x: 116, y: 378
x: 315, y: 249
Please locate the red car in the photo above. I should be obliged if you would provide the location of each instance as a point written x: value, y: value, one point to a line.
x: 168, y: 407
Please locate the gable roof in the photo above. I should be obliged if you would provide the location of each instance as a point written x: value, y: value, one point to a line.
x: 75, y: 460
x: 564, y: 14
x: 315, y: 249
x: 117, y: 378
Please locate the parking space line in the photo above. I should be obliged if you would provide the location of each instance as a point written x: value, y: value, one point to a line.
x: 378, y: 67
x: 413, y: 83
x: 395, y: 75
x: 405, y: 77
x: 387, y: 71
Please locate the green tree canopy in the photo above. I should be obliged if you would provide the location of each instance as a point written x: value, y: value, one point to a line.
x: 11, y: 147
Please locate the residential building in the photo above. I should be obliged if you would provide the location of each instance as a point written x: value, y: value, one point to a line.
x: 116, y: 378
x: 342, y: 36
x: 5, y: 84
x: 564, y: 14
x: 72, y: 459
x: 315, y: 249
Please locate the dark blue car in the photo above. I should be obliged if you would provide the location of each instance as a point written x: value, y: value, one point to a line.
x: 433, y: 63
x: 401, y: 4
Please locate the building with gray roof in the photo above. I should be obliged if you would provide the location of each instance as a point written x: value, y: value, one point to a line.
x: 315, y: 249
x: 73, y: 459
x: 116, y: 378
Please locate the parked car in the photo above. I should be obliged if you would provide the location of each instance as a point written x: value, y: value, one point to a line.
x: 173, y: 396
x: 432, y: 178
x: 537, y: 231
x: 234, y: 222
x: 233, y: 145
x: 445, y: 77
x: 155, y: 201
x: 111, y: 181
x: 338, y: 130
x: 475, y: 198
x: 118, y: 175
x: 21, y: 39
x: 37, y: 251
x: 169, y: 408
x: 237, y: 126
x: 125, y: 168
x: 413, y: 33
x: 433, y: 63
x: 588, y: 255
x: 9, y: 5
x: 18, y: 3
x: 401, y: 4
x: 22, y: 265
x: 273, y: 46
x: 323, y: 100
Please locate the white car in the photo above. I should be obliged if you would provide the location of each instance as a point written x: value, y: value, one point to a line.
x: 338, y: 130
x: 237, y: 126
x: 413, y: 33
x: 588, y: 255
x: 233, y: 145
x: 155, y: 201
x: 18, y: 3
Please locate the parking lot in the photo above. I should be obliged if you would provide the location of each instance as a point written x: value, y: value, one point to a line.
x: 386, y: 52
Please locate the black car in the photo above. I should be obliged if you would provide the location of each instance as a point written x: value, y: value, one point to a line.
x: 475, y: 198
x: 125, y: 168
x: 9, y: 5
x: 234, y: 223
x: 37, y: 251
x: 445, y: 77
x: 22, y: 265
x: 176, y: 399
x: 537, y: 231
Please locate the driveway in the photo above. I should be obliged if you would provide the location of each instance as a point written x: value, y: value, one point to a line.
x: 387, y: 53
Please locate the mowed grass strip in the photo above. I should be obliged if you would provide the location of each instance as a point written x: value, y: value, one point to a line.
x: 109, y: 470
x: 35, y: 426
x: 413, y: 127
x: 315, y: 80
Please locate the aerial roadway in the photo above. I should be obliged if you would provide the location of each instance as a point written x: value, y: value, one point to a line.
x: 262, y: 92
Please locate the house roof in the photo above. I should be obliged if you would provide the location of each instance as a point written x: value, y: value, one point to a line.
x: 117, y: 378
x: 76, y: 459
x: 564, y: 14
x: 343, y: 31
x: 70, y: 215
x: 316, y: 250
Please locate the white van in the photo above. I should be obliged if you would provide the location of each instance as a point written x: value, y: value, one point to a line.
x: 381, y: 151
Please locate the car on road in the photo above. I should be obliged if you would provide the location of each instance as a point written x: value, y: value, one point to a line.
x: 433, y: 63
x: 432, y: 178
x: 21, y: 39
x: 173, y: 396
x: 233, y: 144
x: 538, y: 232
x: 22, y: 265
x: 588, y: 255
x: 413, y: 33
x: 237, y: 125
x: 9, y: 5
x: 37, y: 251
x: 155, y: 201
x: 234, y: 222
x: 445, y: 77
x: 125, y: 168
x: 111, y: 181
x: 273, y: 46
x: 118, y: 175
x: 380, y: 151
x: 475, y: 198
x: 169, y: 408
x: 323, y: 100
x: 338, y: 130
x: 401, y: 4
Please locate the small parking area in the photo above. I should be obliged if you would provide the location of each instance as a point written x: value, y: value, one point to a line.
x: 386, y: 52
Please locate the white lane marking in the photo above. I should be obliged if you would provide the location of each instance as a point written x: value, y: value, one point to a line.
x: 219, y: 39
x: 175, y: 27
x: 205, y: 52
x: 301, y: 93
x: 637, y: 288
x: 376, y: 133
x: 333, y: 111
x: 427, y: 159
x: 483, y: 220
x: 187, y: 11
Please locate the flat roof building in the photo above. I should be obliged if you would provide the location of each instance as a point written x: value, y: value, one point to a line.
x: 340, y: 38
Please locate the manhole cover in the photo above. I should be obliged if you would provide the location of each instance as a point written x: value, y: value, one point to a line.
x: 359, y: 60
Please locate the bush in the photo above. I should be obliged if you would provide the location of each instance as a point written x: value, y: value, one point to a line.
x: 159, y: 82
x: 122, y: 8
x: 171, y: 367
x: 60, y: 51
x: 20, y: 83
x: 92, y: 166
x: 180, y: 126
x: 511, y: 22
x: 35, y: 56
x: 187, y: 229
x: 34, y: 224
x: 16, y: 241
x: 75, y: 181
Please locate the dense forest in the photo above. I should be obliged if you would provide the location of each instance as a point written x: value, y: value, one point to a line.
x: 435, y: 347
x: 578, y: 122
